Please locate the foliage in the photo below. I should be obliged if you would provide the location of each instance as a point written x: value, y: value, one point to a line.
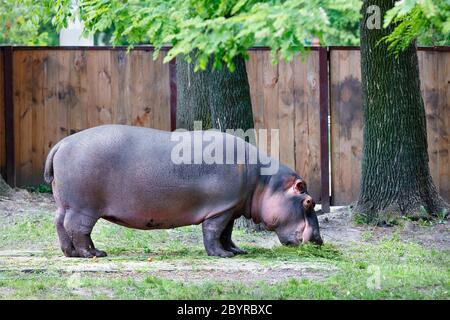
x: 427, y: 21
x: 344, y: 16
x: 26, y: 22
x: 41, y: 188
x: 223, y: 29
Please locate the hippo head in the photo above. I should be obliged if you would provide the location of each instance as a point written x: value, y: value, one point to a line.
x: 287, y: 209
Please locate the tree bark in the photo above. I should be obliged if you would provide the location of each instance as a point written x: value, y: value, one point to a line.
x: 229, y: 93
x: 396, y: 178
x: 192, y: 96
x: 218, y: 98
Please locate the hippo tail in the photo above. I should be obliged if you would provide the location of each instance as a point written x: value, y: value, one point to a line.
x: 48, y: 170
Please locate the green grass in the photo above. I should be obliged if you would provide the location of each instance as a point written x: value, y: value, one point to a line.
x: 42, y: 188
x: 387, y: 269
x: 27, y: 231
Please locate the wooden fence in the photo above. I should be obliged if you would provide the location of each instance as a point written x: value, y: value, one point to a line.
x: 49, y: 93
x: 60, y: 92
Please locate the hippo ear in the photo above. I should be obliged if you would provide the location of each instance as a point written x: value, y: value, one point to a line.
x: 299, y: 186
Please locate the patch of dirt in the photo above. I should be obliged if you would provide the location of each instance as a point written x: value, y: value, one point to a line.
x: 21, y: 202
x: 337, y: 227
x: 235, y: 269
x: 90, y: 292
x: 6, y: 292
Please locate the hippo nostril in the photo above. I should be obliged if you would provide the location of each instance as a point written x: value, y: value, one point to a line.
x: 307, y: 203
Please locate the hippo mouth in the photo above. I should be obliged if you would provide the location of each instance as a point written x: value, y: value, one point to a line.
x: 291, y: 243
x: 310, y: 234
x: 305, y: 235
x: 295, y: 239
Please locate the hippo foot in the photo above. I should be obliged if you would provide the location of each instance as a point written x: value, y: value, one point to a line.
x: 98, y: 253
x: 69, y: 252
x: 237, y: 250
x: 230, y: 246
x: 84, y: 253
x: 221, y: 253
x: 91, y: 253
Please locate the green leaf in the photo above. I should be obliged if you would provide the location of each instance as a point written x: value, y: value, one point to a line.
x: 238, y: 6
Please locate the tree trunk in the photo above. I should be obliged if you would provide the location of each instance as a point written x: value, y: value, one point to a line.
x: 396, y: 178
x: 192, y: 96
x: 231, y: 106
x: 218, y: 98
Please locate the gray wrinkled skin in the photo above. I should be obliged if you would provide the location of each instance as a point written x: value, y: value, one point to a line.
x: 125, y: 175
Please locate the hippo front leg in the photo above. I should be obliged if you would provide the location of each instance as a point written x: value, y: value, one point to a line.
x: 213, y: 229
x: 226, y: 241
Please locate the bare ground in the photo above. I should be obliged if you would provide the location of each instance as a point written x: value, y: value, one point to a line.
x: 337, y: 227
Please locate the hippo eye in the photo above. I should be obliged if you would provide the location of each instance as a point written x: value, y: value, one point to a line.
x: 300, y: 186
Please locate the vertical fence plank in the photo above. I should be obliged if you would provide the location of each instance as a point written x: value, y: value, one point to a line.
x: 54, y: 128
x: 428, y: 63
x: 10, y: 131
x: 346, y: 125
x: 254, y: 77
x: 157, y: 103
x: 307, y: 119
x: 324, y: 143
x: 23, y: 86
x: 286, y: 113
x: 78, y: 88
x: 99, y: 109
x: 2, y: 116
x: 146, y: 110
x: 162, y: 93
x: 443, y: 87
x: 120, y: 90
x: 173, y: 93
x: 137, y: 87
x: 270, y: 96
x: 39, y: 113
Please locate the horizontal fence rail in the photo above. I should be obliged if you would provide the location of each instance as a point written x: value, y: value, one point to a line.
x: 47, y: 93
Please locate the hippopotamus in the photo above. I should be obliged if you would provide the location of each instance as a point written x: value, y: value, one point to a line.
x: 128, y: 175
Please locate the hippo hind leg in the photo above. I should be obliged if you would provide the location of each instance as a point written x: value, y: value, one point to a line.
x: 226, y: 241
x: 64, y: 240
x: 78, y: 226
x: 213, y: 229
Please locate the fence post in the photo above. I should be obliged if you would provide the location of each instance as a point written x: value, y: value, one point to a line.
x: 324, y: 142
x: 9, y: 115
x: 173, y: 93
